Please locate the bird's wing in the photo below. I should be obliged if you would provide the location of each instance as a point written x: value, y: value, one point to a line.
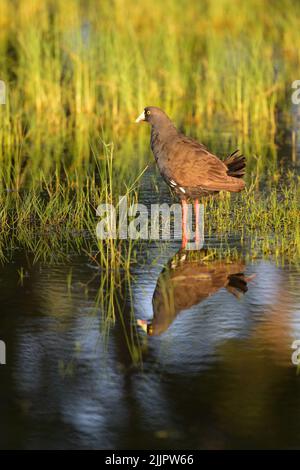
x: 194, y: 166
x: 192, y: 142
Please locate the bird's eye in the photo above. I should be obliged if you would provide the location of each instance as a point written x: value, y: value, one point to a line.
x: 148, y: 112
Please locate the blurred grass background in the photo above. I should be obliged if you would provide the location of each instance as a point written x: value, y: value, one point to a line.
x: 79, y: 69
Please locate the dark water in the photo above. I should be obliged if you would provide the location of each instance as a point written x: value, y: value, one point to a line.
x: 219, y: 375
x: 216, y: 372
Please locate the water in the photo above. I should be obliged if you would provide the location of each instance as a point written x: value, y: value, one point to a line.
x: 216, y: 372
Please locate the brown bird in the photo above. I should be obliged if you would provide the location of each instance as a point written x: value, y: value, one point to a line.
x: 187, y: 166
x: 187, y: 280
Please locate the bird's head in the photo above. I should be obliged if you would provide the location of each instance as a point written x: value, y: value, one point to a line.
x: 153, y: 115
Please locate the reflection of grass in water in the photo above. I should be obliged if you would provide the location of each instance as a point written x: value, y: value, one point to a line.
x: 114, y: 298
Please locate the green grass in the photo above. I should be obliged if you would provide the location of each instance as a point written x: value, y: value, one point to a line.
x: 78, y: 73
x: 67, y: 218
x: 77, y: 70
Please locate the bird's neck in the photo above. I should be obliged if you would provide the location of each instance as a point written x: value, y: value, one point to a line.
x: 162, y: 132
x: 167, y: 127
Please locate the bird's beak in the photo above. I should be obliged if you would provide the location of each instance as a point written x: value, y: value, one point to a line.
x: 141, y: 117
x: 143, y: 324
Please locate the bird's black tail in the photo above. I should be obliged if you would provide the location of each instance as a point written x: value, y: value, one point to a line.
x: 236, y: 164
x: 238, y: 283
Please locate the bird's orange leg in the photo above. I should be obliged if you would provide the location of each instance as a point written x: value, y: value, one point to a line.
x: 184, y: 221
x: 197, y: 209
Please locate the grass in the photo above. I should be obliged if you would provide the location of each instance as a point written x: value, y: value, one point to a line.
x: 78, y: 70
x: 271, y: 218
x: 67, y: 218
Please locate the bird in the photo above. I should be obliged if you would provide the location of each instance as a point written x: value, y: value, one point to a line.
x: 188, y: 279
x: 188, y: 167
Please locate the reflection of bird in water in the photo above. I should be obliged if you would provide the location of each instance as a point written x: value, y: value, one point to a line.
x: 188, y: 279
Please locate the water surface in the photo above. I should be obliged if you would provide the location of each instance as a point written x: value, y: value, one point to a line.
x: 219, y: 375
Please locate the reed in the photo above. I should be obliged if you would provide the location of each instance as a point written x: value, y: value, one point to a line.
x: 77, y: 70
